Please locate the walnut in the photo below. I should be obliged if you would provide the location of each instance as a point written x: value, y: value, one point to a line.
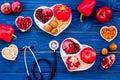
x: 104, y: 51
x: 113, y: 47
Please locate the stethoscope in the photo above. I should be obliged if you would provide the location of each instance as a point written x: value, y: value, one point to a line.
x: 53, y: 46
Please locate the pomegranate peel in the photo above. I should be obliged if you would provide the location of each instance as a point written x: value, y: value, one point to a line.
x: 108, y: 61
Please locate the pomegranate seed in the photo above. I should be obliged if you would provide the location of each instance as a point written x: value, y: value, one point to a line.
x: 24, y: 22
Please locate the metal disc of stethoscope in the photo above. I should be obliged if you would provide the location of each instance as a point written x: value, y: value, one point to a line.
x: 54, y: 45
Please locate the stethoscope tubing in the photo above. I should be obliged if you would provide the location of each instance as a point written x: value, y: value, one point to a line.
x: 36, y: 63
x: 52, y: 68
x: 25, y: 61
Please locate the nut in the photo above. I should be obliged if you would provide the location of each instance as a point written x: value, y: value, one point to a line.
x: 48, y: 28
x: 104, y: 51
x: 113, y: 47
x: 54, y: 31
x: 54, y: 23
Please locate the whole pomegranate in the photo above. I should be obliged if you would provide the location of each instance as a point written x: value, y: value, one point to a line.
x: 17, y: 6
x: 6, y: 8
x: 47, y: 13
x: 68, y: 46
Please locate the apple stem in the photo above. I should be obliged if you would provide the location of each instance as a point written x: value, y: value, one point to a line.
x: 81, y: 16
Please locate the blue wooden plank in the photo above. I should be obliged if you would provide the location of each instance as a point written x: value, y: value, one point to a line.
x: 18, y: 65
x: 36, y: 39
x: 89, y: 25
x: 64, y: 76
x: 29, y: 5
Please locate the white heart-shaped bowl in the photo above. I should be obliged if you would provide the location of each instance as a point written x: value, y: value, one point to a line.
x: 108, y: 28
x: 83, y: 66
x: 42, y: 25
x: 23, y: 29
x: 6, y: 48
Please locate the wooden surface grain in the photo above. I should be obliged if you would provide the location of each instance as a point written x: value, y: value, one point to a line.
x: 86, y: 33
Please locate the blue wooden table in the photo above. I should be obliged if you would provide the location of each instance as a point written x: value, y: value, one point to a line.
x: 86, y: 33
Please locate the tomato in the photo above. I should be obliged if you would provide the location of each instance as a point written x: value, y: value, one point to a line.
x: 62, y: 12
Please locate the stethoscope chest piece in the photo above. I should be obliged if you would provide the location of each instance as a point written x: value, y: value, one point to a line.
x: 53, y: 45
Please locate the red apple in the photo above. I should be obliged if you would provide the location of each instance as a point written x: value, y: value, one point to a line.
x: 72, y: 63
x: 88, y: 55
x: 104, y: 14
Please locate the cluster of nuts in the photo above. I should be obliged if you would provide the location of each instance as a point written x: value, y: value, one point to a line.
x: 55, y: 26
x: 112, y: 47
x: 52, y: 27
x: 108, y: 33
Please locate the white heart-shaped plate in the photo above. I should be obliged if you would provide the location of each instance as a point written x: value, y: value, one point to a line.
x: 61, y: 25
x: 81, y: 65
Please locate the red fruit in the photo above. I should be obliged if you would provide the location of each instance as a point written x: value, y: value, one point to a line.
x: 108, y: 61
x: 72, y: 63
x: 68, y: 46
x: 42, y: 15
x: 6, y: 8
x: 88, y: 55
x: 104, y: 14
x: 77, y: 47
x: 23, y: 23
x: 47, y: 13
x: 17, y: 7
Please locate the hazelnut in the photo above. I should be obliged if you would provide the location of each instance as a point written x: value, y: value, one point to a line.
x: 113, y: 47
x: 48, y: 28
x: 54, y: 24
x: 54, y: 31
x: 104, y: 51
